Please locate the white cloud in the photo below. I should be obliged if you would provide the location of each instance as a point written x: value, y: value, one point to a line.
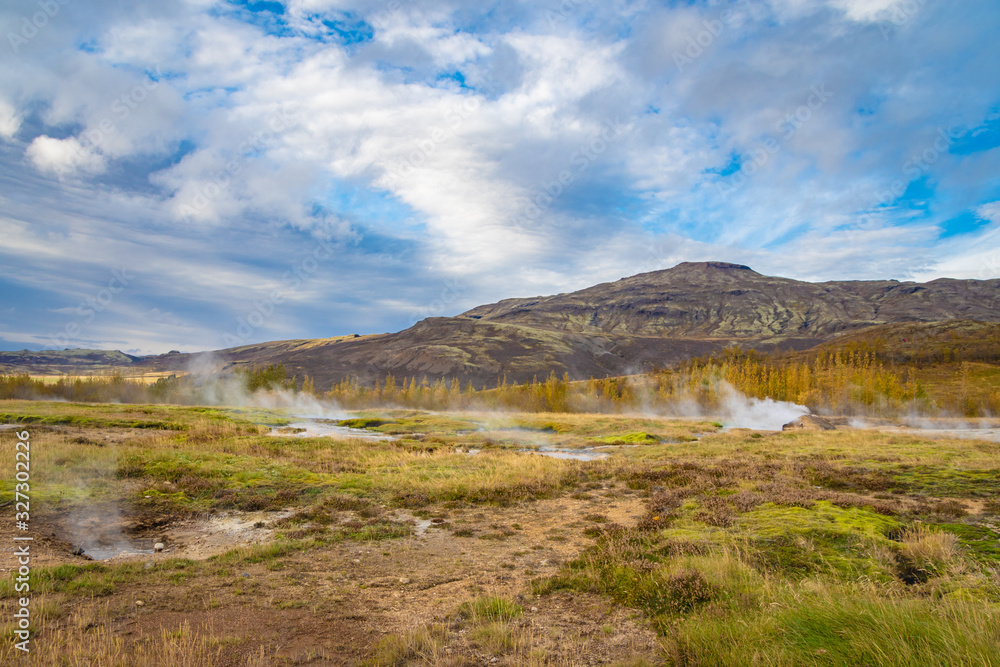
x: 384, y: 150
x: 973, y: 255
x: 990, y: 212
x: 10, y: 120
x: 64, y: 157
x: 877, y: 10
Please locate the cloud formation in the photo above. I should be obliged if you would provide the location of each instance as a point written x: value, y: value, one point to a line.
x: 341, y: 164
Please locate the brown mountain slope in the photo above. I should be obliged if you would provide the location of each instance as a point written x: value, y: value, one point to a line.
x: 616, y: 328
x: 455, y: 347
x: 719, y: 300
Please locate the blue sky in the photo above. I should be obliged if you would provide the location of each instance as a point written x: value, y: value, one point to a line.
x: 200, y: 174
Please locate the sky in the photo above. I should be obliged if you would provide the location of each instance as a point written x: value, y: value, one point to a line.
x: 198, y: 174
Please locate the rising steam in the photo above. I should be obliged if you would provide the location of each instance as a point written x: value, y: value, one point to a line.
x: 214, y: 386
x: 736, y: 410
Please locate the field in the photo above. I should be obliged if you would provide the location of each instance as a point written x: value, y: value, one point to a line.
x: 424, y: 538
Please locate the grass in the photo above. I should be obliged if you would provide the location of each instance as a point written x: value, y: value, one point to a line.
x: 803, y: 549
x: 813, y: 548
x: 220, y: 463
x: 924, y: 554
x: 74, y: 420
x: 424, y: 644
x: 486, y: 623
x: 490, y: 609
x: 394, y: 422
x: 82, y: 645
x: 837, y: 626
x: 719, y: 606
x: 638, y: 438
x: 980, y: 542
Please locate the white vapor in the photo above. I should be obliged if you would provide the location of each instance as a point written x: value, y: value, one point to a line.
x: 739, y: 411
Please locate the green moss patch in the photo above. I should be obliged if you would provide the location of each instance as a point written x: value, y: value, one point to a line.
x: 89, y: 422
x: 824, y: 518
x: 637, y: 438
x: 797, y: 541
x: 950, y: 482
x: 982, y: 542
x: 363, y: 422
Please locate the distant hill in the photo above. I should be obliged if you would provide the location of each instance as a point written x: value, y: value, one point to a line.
x: 626, y: 326
x: 63, y: 361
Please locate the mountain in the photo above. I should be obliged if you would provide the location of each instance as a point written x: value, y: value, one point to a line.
x: 63, y: 361
x: 626, y: 326
x: 720, y: 300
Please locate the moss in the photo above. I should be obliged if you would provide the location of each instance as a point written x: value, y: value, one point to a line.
x: 693, y: 531
x: 788, y: 557
x: 363, y: 422
x: 398, y: 422
x: 824, y: 518
x: 982, y: 542
x: 637, y: 438
x: 797, y: 541
x: 967, y: 595
x: 949, y: 481
x: 89, y: 422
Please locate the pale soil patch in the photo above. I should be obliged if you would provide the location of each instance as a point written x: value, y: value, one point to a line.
x: 203, y: 537
x: 331, y: 605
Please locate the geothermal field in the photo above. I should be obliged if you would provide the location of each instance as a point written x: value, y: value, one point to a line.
x: 183, y: 535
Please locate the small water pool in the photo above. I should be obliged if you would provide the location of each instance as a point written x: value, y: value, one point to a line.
x: 311, y: 427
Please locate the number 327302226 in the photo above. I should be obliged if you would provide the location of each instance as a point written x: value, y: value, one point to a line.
x: 23, y: 472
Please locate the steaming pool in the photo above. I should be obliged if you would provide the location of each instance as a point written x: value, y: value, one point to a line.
x: 763, y: 415
x: 121, y: 547
x: 319, y: 427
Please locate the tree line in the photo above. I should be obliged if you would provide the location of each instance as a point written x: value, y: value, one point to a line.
x: 849, y: 380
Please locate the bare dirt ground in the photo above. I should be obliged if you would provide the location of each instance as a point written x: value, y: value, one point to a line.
x: 331, y: 605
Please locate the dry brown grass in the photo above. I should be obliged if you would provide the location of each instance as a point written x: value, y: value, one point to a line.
x: 926, y: 553
x: 80, y: 644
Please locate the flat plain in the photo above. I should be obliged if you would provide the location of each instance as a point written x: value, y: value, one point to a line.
x: 467, y: 538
